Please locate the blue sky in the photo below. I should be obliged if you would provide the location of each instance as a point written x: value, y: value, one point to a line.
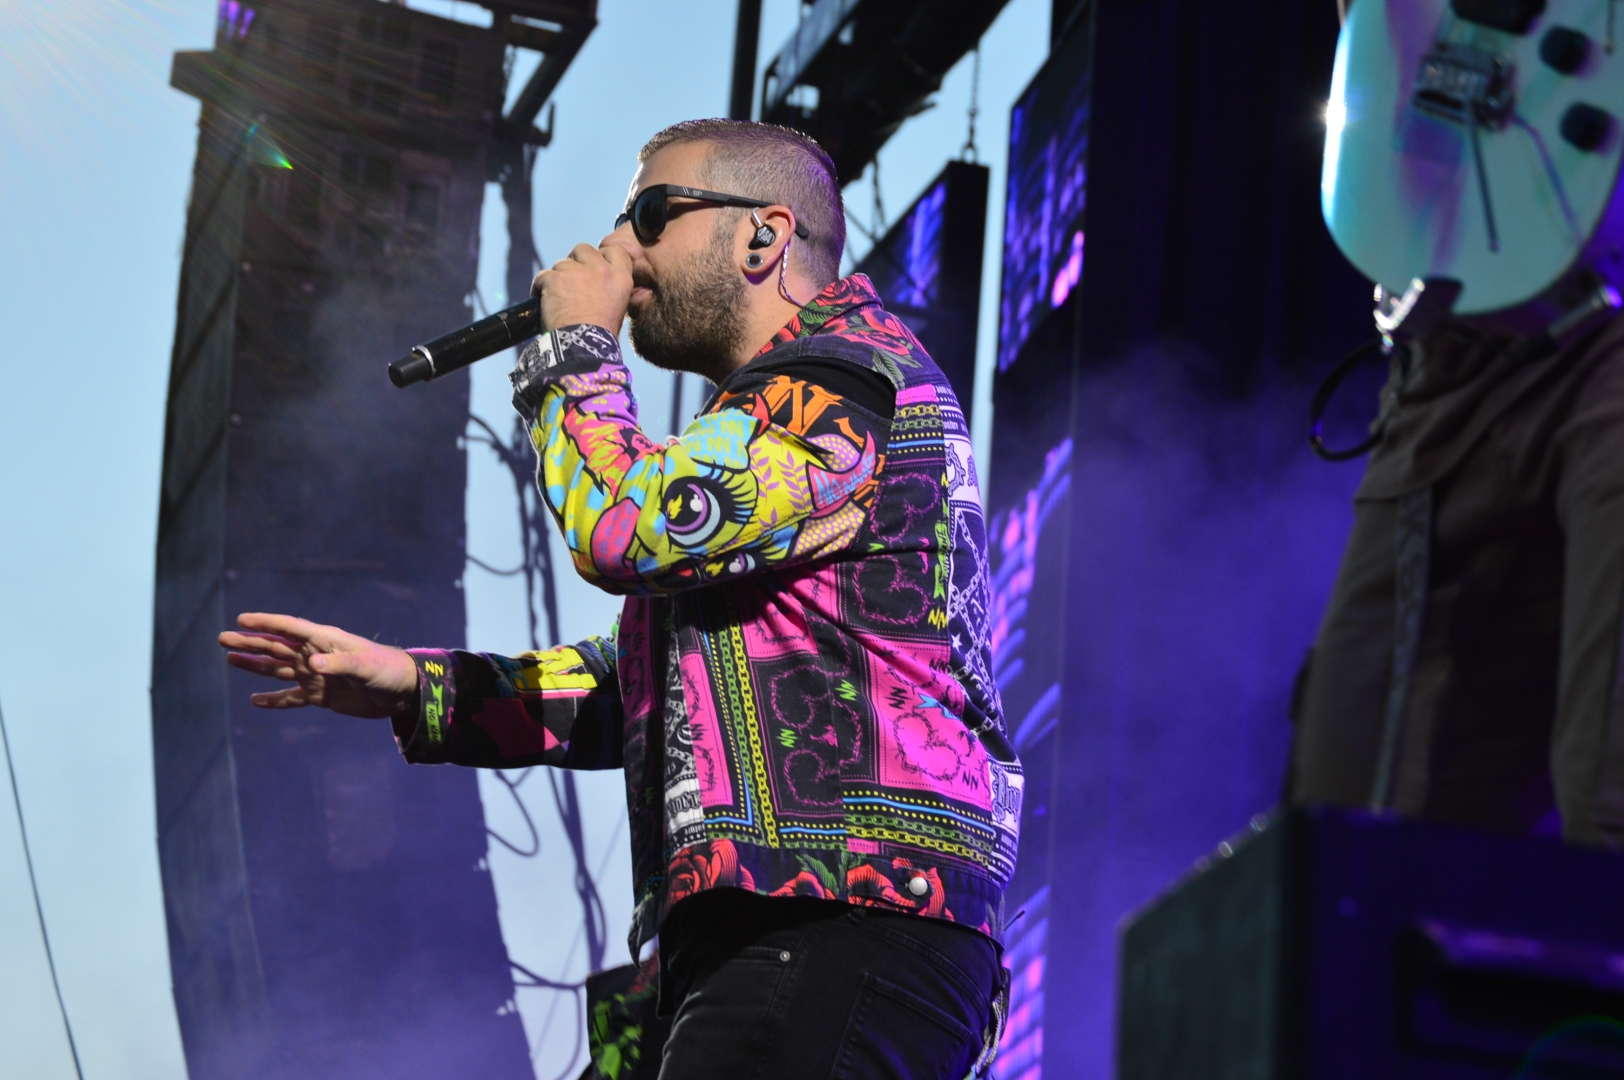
x: 95, y: 160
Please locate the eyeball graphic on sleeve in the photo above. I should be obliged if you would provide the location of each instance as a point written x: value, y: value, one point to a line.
x: 695, y: 509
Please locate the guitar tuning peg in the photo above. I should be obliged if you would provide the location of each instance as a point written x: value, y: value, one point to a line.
x: 1564, y: 50
x: 1586, y: 126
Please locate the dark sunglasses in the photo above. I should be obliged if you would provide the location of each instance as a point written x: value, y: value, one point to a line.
x: 648, y: 213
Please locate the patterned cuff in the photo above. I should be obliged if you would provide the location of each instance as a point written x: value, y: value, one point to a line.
x: 564, y: 351
x: 423, y: 737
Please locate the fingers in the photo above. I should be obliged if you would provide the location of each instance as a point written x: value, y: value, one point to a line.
x: 538, y: 282
x: 287, y: 626
x: 299, y: 635
x: 291, y: 698
x: 261, y: 665
x: 586, y: 253
x: 617, y: 257
x: 261, y: 645
x: 334, y: 669
x: 284, y: 626
x: 621, y: 239
x: 584, y: 288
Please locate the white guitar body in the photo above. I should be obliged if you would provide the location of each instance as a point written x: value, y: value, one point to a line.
x: 1455, y: 149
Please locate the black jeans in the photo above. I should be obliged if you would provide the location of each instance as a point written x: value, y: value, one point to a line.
x: 793, y: 987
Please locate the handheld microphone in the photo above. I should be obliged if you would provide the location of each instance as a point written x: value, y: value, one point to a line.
x: 458, y: 349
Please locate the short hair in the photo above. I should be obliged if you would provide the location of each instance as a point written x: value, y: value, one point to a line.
x: 774, y: 164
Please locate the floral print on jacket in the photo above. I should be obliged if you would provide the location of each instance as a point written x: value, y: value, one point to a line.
x: 799, y: 690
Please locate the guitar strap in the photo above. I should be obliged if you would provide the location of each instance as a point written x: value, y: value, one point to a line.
x: 1413, y: 573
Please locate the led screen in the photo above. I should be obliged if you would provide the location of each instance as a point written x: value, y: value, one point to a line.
x: 1048, y: 187
x: 927, y: 269
x: 1030, y: 495
x: 1028, y: 539
x: 1027, y: 547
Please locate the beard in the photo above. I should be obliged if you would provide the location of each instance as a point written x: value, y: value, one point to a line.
x: 693, y: 319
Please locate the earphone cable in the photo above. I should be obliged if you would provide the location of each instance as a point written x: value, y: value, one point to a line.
x: 783, y: 266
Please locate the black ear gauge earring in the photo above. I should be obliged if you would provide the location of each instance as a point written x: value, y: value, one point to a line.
x: 764, y: 233
x: 753, y: 260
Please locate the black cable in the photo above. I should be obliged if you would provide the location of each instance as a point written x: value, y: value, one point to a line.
x: 578, y: 1000
x: 569, y: 810
x: 542, y: 980
x: 576, y: 991
x: 39, y: 910
x: 489, y: 569
x: 1322, y: 400
x: 535, y: 837
x: 536, y: 564
x: 580, y: 1026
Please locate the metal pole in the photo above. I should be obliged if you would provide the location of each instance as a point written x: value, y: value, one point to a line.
x: 745, y: 39
x: 522, y: 260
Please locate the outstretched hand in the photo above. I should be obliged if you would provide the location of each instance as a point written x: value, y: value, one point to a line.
x: 333, y: 669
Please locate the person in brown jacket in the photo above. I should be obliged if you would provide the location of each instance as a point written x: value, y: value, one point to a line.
x: 1467, y: 668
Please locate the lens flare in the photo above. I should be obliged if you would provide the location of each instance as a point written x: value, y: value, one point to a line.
x: 263, y: 149
x: 101, y: 58
x: 1336, y: 122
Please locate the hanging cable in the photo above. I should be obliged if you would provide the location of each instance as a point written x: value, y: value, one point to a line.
x: 524, y: 811
x: 576, y: 991
x: 489, y: 569
x: 39, y: 910
x: 539, y: 980
x: 569, y: 810
x: 518, y: 455
x: 970, y: 153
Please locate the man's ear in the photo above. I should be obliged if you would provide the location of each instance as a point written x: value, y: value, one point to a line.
x: 781, y: 219
x: 762, y: 235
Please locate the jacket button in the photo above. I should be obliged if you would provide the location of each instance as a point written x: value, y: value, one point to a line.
x: 918, y: 886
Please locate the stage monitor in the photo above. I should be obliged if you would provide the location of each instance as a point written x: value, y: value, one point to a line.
x: 1047, y: 191
x: 927, y: 269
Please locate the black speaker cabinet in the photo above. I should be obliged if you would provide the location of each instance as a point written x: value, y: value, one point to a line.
x: 1334, y: 944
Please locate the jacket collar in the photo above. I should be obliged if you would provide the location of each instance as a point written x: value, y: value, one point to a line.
x: 845, y: 307
x: 839, y: 297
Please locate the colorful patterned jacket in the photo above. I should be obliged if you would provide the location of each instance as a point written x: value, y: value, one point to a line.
x: 800, y: 691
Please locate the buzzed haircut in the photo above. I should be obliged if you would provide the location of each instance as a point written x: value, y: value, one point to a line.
x: 774, y: 164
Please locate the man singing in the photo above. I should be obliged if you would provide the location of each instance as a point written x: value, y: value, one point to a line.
x: 823, y: 800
